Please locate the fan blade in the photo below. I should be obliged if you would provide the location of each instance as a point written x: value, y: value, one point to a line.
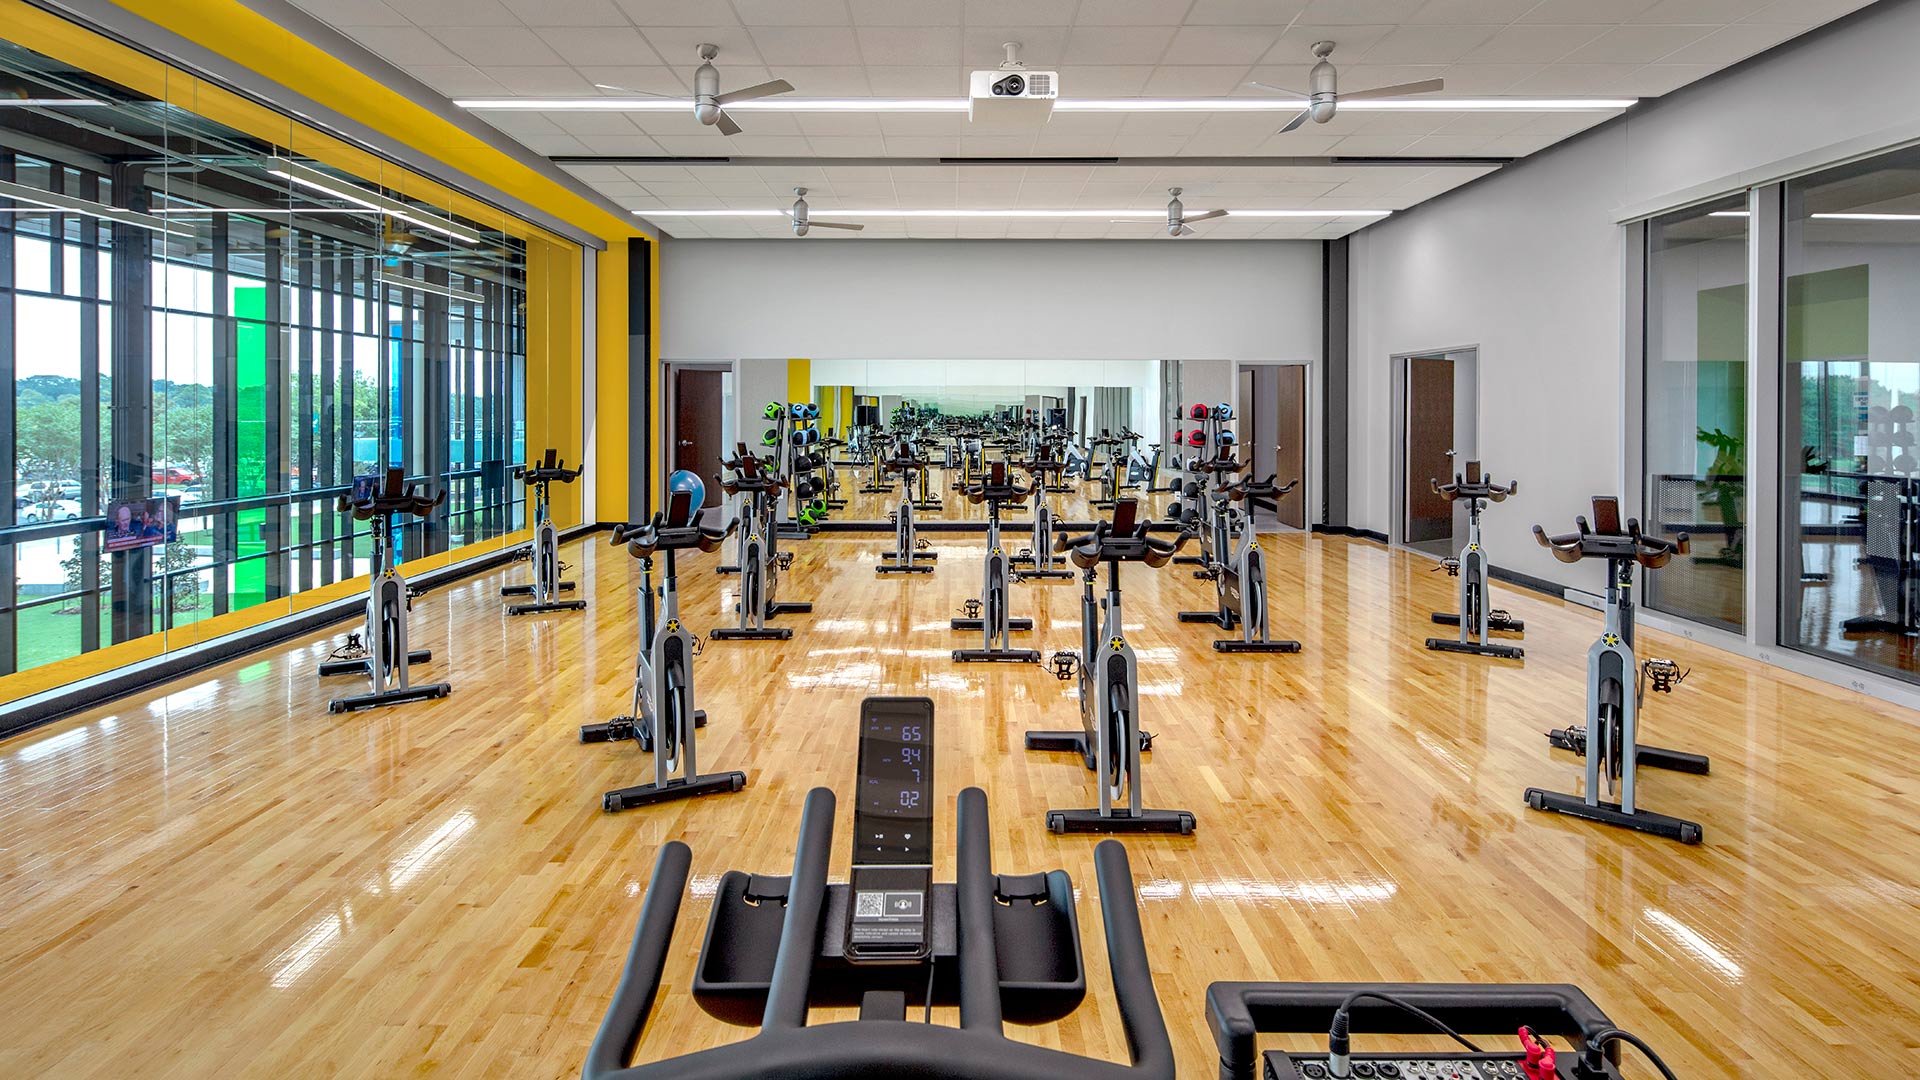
x: 1402, y: 90
x: 642, y: 93
x: 1295, y: 122
x: 765, y: 89
x: 818, y: 224
x: 1184, y: 231
x: 1276, y: 89
x: 725, y: 124
x: 1208, y: 216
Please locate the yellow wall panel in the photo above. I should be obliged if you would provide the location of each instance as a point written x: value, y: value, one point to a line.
x: 612, y: 385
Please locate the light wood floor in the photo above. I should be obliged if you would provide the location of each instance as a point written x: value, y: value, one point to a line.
x: 222, y: 880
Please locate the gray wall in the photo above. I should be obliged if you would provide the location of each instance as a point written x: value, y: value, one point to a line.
x: 1528, y: 264
x: 951, y: 299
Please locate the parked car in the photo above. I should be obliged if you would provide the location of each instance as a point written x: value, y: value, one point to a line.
x: 42, y: 489
x: 37, y: 512
x: 174, y: 474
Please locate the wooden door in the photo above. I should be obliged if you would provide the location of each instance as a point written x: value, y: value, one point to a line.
x: 696, y: 426
x: 1429, y: 435
x: 1290, y: 460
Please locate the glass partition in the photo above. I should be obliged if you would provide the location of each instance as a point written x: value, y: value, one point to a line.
x: 1850, y: 493
x: 1696, y: 408
x: 205, y: 337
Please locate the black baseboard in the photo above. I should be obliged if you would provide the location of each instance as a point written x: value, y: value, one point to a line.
x: 1527, y: 581
x: 59, y: 702
x: 1348, y: 530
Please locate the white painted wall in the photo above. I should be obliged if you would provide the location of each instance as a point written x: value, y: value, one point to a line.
x: 1528, y: 265
x: 950, y: 299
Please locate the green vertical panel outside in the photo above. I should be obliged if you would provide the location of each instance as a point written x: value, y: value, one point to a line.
x: 249, y: 578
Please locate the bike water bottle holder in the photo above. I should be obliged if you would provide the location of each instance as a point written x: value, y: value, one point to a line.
x: 1065, y: 664
x: 1452, y: 566
x: 1663, y: 673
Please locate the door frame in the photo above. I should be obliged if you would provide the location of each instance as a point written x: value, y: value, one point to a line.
x: 669, y: 395
x: 1397, y: 460
x: 1310, y: 480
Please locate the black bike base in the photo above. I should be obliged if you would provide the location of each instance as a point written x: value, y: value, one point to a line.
x: 1503, y: 626
x: 557, y: 605
x: 789, y: 607
x: 1071, y: 742
x: 738, y: 633
x: 918, y: 567
x: 1053, y: 575
x: 1012, y: 656
x: 1241, y: 645
x: 1876, y: 625
x: 527, y: 590
x: 1120, y: 821
x: 1189, y: 560
x: 648, y: 794
x: 330, y: 668
x: 1221, y: 619
x: 918, y: 556
x: 1653, y: 757
x: 980, y: 624
x: 621, y: 728
x: 1646, y: 821
x: 391, y: 697
x: 1505, y: 652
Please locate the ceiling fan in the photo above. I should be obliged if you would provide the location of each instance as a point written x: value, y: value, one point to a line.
x: 1323, y: 82
x: 708, y: 101
x: 1177, y: 219
x: 802, y: 222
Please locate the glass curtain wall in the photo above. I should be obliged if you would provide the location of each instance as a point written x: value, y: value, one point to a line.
x: 1849, y: 398
x: 204, y: 340
x: 1695, y: 409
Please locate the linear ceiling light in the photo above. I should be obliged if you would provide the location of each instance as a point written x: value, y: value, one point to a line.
x: 960, y: 105
x: 1829, y: 217
x: 353, y: 193
x: 69, y: 204
x: 404, y: 282
x: 1104, y: 215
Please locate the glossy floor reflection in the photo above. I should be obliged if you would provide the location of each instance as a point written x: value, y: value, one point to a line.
x: 221, y: 879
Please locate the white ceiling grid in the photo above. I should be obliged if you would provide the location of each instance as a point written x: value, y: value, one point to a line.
x: 1102, y: 48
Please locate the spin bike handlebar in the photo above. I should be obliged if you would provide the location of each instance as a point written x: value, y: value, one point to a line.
x: 551, y: 468
x: 643, y: 540
x: 1651, y: 552
x: 1470, y: 487
x: 1103, y: 544
x: 397, y: 497
x: 1007, y: 492
x: 1259, y: 489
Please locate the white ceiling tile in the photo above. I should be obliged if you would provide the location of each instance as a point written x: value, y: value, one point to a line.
x: 1473, y: 80
x: 1470, y: 12
x: 987, y: 196
x: 737, y: 182
x: 905, y: 12
x: 1244, y: 12
x: 647, y: 80
x: 996, y: 145
x: 1807, y: 13
x: 1636, y: 44
x: 1334, y: 12
x: 353, y: 12
x: 1518, y: 145
x: 597, y: 174
x: 1583, y: 11
x: 646, y: 174
x: 685, y: 145
x: 1255, y: 126
x: 792, y: 12
x: 680, y: 45
x: 1078, y: 145
x: 922, y: 123
x: 836, y: 123
x: 1132, y: 12
x: 1019, y: 12
x: 1590, y: 80
x: 434, y: 14
x: 1448, y: 145
x: 1289, y: 77
x: 1041, y: 47
x: 1428, y: 44
x: 594, y: 123
x: 930, y: 194
x: 1184, y: 82
x: 783, y: 46
x: 489, y: 45
x: 1219, y: 45
x: 1682, y: 12
x: 652, y: 13
x: 400, y: 42
x: 838, y: 146
x: 540, y: 14
x: 1372, y: 145
x: 613, y: 46
x: 1148, y: 145
x: 518, y: 124
x: 910, y: 45
x: 922, y: 146
x: 1104, y: 80
x: 1731, y: 44
x: 458, y: 80
x: 1118, y: 44
x: 770, y: 123
x: 1369, y: 74
x: 1351, y: 42
x: 1303, y: 143
x: 634, y: 145
x: 1480, y: 123
x: 1163, y: 123
x: 1533, y: 44
x: 931, y: 80
x: 839, y: 81
x: 1657, y: 79
x: 552, y: 81
x: 553, y: 145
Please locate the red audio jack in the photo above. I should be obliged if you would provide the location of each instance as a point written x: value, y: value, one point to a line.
x: 1539, y: 1064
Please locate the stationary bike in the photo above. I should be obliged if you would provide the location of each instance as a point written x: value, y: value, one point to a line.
x: 1608, y: 740
x: 994, y: 622
x: 386, y: 660
x: 1240, y: 581
x: 1476, y: 618
x: 664, y: 715
x: 906, y: 556
x: 1037, y: 561
x: 1109, y: 472
x: 545, y: 551
x: 1110, y: 740
x: 761, y: 559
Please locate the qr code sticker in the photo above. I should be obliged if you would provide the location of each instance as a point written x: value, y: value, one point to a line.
x: 870, y: 906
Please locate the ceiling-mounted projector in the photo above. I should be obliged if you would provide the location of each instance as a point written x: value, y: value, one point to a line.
x: 1012, y: 96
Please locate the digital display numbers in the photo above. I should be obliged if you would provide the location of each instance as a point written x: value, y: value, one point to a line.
x: 893, y: 819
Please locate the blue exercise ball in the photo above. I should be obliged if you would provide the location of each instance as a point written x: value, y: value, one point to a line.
x: 689, y: 482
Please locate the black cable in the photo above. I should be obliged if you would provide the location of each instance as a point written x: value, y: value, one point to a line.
x: 1600, y: 1041
x: 927, y: 1017
x: 1426, y: 1017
